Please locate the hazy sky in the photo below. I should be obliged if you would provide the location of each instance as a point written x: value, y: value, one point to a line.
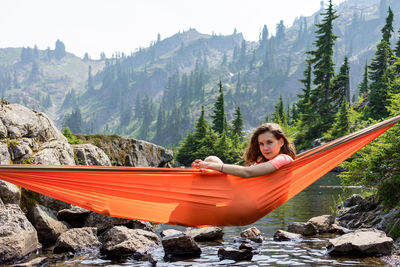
x: 94, y: 26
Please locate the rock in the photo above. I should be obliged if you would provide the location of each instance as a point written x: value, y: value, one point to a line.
x: 322, y: 223
x: 121, y: 241
x: 135, y: 152
x: 281, y: 235
x: 337, y: 229
x: 74, y: 216
x: 77, y: 239
x: 170, y: 232
x: 91, y: 155
x: 102, y: 222
x: 204, y: 233
x: 306, y: 229
x: 246, y: 246
x: 3, y: 130
x: 234, y: 254
x: 180, y: 246
x: 4, y: 153
x: 19, y: 122
x: 389, y: 220
x: 19, y: 151
x: 37, y: 262
x: 46, y: 224
x: 253, y: 234
x: 363, y: 241
x: 52, y: 203
x: 55, y: 153
x: 136, y: 224
x: 9, y: 193
x: 353, y: 200
x: 18, y: 237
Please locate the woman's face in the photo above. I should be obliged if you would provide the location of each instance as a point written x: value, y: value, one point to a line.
x: 270, y: 147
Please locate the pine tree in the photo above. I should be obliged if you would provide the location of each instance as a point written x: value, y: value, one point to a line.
x: 363, y: 86
x: 59, y: 51
x: 237, y: 123
x: 90, y: 86
x: 279, y: 116
x: 341, y: 125
x: 218, y: 116
x: 380, y: 74
x: 341, y: 86
x: 323, y: 74
x: 304, y: 99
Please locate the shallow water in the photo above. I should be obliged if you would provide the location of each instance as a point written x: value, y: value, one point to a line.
x: 318, y: 199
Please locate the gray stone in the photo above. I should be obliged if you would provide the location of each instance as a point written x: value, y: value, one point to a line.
x: 46, y: 224
x: 52, y: 203
x: 20, y: 121
x: 55, y: 153
x: 36, y: 262
x: 281, y: 235
x: 9, y: 193
x: 389, y: 220
x: 180, y: 246
x: 253, y: 234
x: 121, y: 241
x: 337, y: 229
x: 353, y: 200
x: 18, y: 238
x: 3, y: 130
x: 322, y: 223
x: 91, y: 155
x: 77, y: 240
x: 306, y: 229
x: 367, y: 242
x: 204, y: 233
x: 74, y: 216
x: 20, y: 151
x: 4, y: 154
x: 170, y: 232
x: 102, y: 222
x: 234, y: 254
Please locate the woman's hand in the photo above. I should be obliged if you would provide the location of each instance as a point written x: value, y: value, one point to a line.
x: 211, y: 162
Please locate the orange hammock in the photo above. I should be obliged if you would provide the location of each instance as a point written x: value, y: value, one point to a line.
x: 187, y: 196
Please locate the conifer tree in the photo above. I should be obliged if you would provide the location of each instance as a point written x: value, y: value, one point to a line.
x: 218, y: 116
x: 341, y: 86
x: 380, y: 74
x: 237, y: 123
x: 279, y: 116
x: 304, y: 98
x: 341, y: 125
x: 363, y: 86
x: 323, y: 73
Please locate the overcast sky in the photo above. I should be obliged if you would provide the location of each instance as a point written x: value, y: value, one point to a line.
x: 94, y: 26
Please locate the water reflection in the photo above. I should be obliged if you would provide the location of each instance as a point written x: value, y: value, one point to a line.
x: 318, y: 199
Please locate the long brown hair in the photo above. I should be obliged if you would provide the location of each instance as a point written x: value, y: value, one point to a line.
x: 252, y: 152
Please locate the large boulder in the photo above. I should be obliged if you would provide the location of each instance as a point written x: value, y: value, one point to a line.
x: 77, y: 239
x: 180, y: 246
x: 74, y: 216
x: 9, y: 193
x: 18, y: 238
x: 19, y: 121
x: 121, y: 241
x: 366, y: 242
x: 54, y: 153
x: 46, y: 224
x: 88, y: 154
x: 204, y: 233
x: 131, y: 152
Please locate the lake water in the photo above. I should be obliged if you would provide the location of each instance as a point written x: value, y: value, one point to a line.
x: 318, y: 199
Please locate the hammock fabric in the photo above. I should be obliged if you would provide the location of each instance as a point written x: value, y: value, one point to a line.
x: 187, y: 197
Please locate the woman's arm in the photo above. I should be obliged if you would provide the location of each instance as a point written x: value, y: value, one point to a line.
x: 245, y: 172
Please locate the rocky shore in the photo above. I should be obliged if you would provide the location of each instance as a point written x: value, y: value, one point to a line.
x: 30, y: 222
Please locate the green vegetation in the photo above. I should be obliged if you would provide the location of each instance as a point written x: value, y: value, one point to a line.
x: 72, y: 139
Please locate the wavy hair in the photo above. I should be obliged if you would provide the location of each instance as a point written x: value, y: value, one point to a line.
x: 252, y: 152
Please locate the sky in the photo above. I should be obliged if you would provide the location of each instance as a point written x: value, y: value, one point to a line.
x: 108, y: 26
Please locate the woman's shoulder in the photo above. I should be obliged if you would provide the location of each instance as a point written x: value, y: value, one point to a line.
x: 281, y: 160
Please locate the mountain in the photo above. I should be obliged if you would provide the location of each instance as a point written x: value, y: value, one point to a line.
x: 155, y: 93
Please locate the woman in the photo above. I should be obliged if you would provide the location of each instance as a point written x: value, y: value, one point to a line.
x: 268, y: 150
